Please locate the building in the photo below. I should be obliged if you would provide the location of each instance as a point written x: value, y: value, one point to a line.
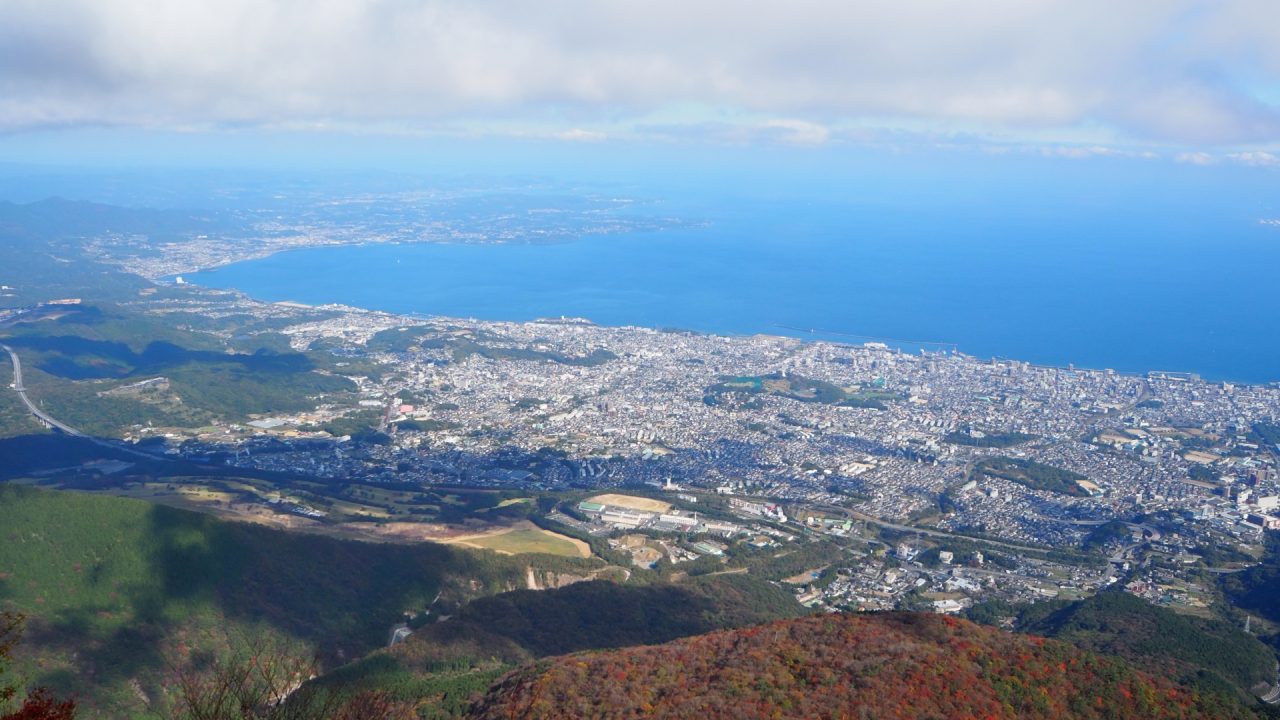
x: 1268, y: 522
x: 707, y: 548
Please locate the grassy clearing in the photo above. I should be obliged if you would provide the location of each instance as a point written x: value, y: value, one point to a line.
x: 526, y: 538
x: 113, y: 584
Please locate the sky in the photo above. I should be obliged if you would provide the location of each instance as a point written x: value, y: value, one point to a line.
x: 1185, y: 81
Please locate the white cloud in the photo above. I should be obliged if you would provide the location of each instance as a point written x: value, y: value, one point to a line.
x: 797, y: 132
x: 1146, y: 70
x: 1081, y: 152
x: 1256, y: 159
x: 580, y: 135
x: 1196, y: 158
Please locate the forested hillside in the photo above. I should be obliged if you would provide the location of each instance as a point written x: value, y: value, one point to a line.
x: 847, y: 666
x: 84, y: 365
x: 1210, y: 654
x: 444, y: 666
x: 117, y: 591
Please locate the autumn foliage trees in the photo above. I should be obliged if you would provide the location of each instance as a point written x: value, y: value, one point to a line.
x: 39, y: 704
x: 897, y: 665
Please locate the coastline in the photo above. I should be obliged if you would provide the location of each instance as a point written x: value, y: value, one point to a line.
x: 990, y: 351
x: 414, y: 318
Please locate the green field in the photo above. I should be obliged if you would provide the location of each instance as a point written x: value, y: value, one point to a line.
x: 528, y: 540
x: 112, y: 586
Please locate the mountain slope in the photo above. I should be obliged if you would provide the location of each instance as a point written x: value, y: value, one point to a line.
x: 114, y: 587
x: 442, y: 666
x: 1210, y: 654
x: 876, y: 666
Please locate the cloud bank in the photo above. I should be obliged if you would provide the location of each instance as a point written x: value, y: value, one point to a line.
x: 1196, y: 74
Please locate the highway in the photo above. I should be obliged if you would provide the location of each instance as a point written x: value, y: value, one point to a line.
x: 22, y: 393
x: 863, y: 517
x: 1118, y: 558
x: 52, y: 422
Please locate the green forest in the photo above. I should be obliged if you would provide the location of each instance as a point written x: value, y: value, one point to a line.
x: 1034, y: 475
x: 1210, y: 654
x: 79, y: 367
x: 444, y: 667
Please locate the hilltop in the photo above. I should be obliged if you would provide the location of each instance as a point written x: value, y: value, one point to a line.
x: 890, y: 665
x: 445, y: 665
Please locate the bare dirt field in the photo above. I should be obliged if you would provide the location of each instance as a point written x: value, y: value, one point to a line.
x: 631, y: 502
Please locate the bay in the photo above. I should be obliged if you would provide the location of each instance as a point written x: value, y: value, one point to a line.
x: 1102, y: 288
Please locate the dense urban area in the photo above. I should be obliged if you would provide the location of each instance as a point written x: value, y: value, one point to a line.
x: 942, y: 479
x: 723, y: 479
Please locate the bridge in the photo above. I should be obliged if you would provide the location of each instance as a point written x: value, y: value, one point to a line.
x: 44, y: 418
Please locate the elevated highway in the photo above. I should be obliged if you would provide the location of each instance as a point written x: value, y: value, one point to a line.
x: 46, y: 419
x: 51, y: 422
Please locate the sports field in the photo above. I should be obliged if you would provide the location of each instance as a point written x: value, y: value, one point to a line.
x: 631, y: 502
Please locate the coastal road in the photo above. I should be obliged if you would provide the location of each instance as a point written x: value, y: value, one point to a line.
x: 22, y: 393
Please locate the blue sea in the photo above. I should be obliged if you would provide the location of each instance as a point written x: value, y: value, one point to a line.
x: 1168, y: 286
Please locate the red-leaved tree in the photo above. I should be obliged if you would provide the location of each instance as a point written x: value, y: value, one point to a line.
x: 39, y: 704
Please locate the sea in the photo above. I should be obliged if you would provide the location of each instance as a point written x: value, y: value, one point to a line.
x: 1167, y: 286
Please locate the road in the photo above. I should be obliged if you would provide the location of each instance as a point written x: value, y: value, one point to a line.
x: 1117, y: 558
x: 53, y: 422
x: 862, y: 517
x: 1149, y: 534
x: 22, y: 393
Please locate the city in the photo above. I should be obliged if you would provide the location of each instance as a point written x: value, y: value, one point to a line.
x: 960, y: 463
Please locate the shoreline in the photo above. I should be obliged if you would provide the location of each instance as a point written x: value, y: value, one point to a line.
x: 413, y: 317
x: 792, y: 332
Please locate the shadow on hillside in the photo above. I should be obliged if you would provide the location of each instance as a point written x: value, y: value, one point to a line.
x: 592, y: 615
x: 78, y: 358
x: 198, y: 573
x: 125, y: 653
x: 519, y: 626
x: 62, y: 458
x: 27, y: 454
x: 208, y: 581
x: 339, y: 596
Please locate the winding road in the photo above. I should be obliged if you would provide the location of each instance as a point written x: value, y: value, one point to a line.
x: 41, y: 415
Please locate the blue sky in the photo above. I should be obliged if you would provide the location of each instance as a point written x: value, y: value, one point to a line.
x: 1191, y: 82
